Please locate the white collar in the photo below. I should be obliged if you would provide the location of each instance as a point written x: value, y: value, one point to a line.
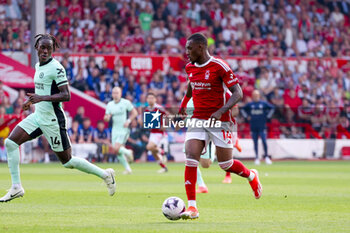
x: 204, y: 64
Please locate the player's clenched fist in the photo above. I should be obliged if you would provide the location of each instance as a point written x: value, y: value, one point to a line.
x: 26, y: 105
x: 216, y: 115
x: 182, y: 111
x: 34, y: 98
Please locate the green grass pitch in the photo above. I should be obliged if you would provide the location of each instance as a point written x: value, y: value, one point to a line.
x: 298, y: 197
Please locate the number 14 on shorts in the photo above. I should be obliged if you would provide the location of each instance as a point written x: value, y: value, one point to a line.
x: 55, y: 142
x: 227, y: 136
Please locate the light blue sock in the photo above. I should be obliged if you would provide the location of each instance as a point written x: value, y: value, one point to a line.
x: 200, y: 180
x: 125, y: 151
x: 85, y: 166
x: 13, y: 160
x: 123, y: 161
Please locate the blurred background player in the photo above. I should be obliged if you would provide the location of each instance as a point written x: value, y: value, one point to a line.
x: 156, y: 135
x: 257, y: 112
x: 209, y: 78
x: 118, y: 109
x: 51, y: 88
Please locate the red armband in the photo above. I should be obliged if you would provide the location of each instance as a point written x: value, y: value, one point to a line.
x: 184, y: 102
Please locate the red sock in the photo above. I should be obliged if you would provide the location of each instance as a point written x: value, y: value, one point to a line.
x: 191, y: 178
x: 228, y: 174
x: 235, y: 166
x: 161, y: 164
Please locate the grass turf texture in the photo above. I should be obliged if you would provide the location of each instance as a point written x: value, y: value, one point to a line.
x: 297, y: 197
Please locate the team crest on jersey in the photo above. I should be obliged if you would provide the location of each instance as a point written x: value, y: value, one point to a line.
x: 207, y: 74
x: 41, y: 75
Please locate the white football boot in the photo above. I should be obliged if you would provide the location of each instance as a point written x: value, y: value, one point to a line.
x: 12, y: 194
x: 110, y: 181
x: 268, y: 160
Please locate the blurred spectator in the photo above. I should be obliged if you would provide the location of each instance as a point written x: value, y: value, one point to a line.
x: 86, y: 131
x: 318, y: 118
x: 80, y: 115
x: 3, y: 93
x: 137, y: 140
x: 291, y: 104
x: 3, y: 155
x: 73, y: 132
x: 266, y: 84
x: 12, y: 10
x: 305, y: 111
x: 106, y: 95
x: 146, y: 18
x: 8, y: 106
x: 157, y: 85
x: 101, y: 137
x: 132, y: 89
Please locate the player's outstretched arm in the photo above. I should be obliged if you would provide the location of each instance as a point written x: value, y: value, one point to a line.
x: 236, y: 96
x: 62, y: 96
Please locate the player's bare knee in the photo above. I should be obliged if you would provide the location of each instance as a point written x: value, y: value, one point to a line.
x: 64, y: 156
x: 194, y: 156
x: 116, y: 148
x: 205, y: 163
x: 151, y: 147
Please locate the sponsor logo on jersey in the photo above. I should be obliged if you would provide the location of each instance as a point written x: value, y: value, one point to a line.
x: 200, y: 85
x: 39, y: 86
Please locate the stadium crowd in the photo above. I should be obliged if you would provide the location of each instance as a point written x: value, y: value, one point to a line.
x: 255, y: 27
x: 319, y: 96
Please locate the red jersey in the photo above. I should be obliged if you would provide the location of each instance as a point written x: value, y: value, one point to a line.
x: 51, y: 10
x: 305, y: 111
x: 333, y: 112
x: 210, y: 82
x: 72, y: 9
x: 155, y: 109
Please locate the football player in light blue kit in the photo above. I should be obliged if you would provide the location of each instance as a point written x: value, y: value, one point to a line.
x: 118, y: 110
x: 51, y: 88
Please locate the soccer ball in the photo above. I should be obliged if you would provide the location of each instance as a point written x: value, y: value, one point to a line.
x: 173, y: 207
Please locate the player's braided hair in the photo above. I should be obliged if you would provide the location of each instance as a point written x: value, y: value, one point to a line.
x: 46, y: 36
x: 198, y: 38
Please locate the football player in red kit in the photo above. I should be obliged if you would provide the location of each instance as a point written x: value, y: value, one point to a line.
x: 209, y: 79
x: 156, y: 134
